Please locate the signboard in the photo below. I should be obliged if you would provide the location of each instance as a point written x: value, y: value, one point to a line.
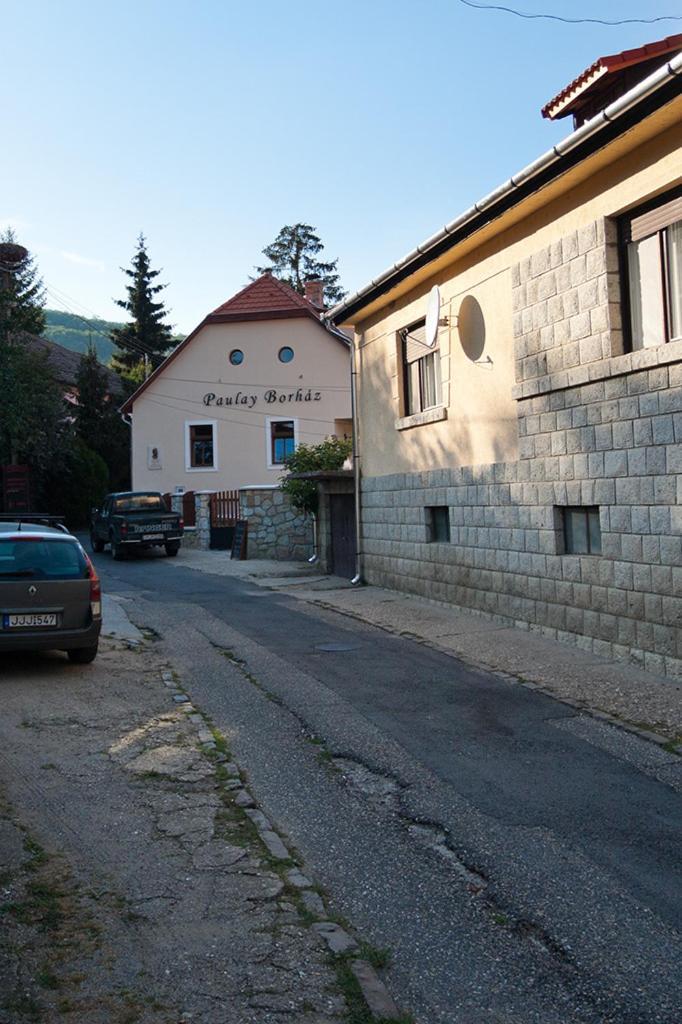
x: 239, y: 540
x: 16, y: 493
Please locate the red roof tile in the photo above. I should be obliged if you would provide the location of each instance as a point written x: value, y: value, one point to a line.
x: 265, y: 297
x: 608, y: 65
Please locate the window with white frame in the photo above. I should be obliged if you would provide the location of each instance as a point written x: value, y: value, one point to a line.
x: 651, y: 239
x: 421, y: 371
x: 200, y: 445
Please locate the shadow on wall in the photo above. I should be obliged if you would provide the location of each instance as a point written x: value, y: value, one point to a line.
x: 447, y: 445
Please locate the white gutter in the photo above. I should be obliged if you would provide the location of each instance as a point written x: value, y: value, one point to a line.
x: 611, y: 113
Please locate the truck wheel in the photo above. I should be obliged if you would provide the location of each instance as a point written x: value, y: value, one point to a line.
x: 95, y: 543
x: 172, y: 549
x: 82, y: 655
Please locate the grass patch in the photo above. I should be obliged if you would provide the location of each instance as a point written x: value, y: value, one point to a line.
x: 379, y: 958
x: 36, y: 853
x: 671, y: 747
x: 25, y: 1005
x: 220, y: 741
x: 46, y: 978
x: 357, y: 1011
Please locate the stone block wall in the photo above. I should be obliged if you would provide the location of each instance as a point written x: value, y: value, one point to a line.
x: 275, y: 530
x: 597, y: 427
x: 566, y: 301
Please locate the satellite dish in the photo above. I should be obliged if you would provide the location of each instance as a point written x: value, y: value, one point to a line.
x: 432, y: 317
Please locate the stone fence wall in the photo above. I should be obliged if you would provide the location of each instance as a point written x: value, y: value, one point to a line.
x: 276, y: 530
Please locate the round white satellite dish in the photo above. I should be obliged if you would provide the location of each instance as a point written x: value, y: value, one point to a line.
x: 432, y: 317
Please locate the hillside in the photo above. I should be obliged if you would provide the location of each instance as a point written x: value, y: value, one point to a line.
x: 73, y: 333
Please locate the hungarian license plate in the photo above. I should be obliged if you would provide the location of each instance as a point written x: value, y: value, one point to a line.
x: 29, y: 619
x: 152, y: 536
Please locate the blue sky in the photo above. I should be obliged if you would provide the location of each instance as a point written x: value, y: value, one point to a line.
x: 208, y: 125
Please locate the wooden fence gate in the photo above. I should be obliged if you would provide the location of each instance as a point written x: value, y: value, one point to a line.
x: 224, y: 508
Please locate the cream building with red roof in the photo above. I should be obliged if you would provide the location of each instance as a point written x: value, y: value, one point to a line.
x: 259, y: 375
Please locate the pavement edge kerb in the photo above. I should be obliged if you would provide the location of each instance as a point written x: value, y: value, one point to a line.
x: 339, y: 942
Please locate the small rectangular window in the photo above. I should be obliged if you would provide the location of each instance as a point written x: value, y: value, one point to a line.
x: 582, y: 532
x: 651, y: 240
x: 282, y: 441
x: 438, y: 524
x: 201, y: 454
x: 421, y: 371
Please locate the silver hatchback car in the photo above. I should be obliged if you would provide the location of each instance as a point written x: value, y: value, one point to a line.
x: 50, y: 597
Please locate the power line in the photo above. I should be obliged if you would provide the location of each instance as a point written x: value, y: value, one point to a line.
x: 260, y: 384
x: 58, y: 297
x: 570, y: 21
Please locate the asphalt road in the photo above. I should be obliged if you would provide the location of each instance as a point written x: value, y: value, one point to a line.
x: 520, y: 860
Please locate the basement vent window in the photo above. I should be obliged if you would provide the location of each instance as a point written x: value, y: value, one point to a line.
x: 437, y: 524
x: 582, y: 532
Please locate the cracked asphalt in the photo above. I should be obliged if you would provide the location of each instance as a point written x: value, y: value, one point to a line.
x: 520, y: 860
x: 130, y: 890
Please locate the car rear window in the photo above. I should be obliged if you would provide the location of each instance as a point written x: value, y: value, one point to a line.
x: 41, y: 559
x: 140, y: 503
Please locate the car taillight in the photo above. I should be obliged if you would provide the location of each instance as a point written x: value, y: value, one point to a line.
x: 124, y: 529
x: 181, y: 524
x: 95, y: 590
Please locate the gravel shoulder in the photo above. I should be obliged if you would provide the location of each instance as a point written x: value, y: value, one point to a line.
x: 134, y: 885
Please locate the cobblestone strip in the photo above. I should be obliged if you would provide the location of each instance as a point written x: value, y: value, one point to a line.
x: 343, y: 947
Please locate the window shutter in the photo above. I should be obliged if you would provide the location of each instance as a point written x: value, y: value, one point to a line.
x: 655, y: 220
x: 415, y: 343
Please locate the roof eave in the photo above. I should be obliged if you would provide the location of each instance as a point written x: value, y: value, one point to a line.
x: 610, y: 122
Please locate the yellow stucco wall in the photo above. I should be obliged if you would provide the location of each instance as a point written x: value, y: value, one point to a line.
x: 177, y: 395
x: 481, y: 425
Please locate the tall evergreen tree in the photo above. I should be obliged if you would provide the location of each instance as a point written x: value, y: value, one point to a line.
x: 146, y: 338
x: 22, y: 295
x: 293, y: 259
x: 97, y: 421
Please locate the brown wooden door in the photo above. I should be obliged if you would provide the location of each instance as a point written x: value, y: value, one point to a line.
x: 342, y: 514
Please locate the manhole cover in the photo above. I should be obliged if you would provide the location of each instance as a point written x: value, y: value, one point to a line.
x: 336, y: 648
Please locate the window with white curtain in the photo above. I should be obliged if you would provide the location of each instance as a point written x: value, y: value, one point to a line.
x: 652, y: 238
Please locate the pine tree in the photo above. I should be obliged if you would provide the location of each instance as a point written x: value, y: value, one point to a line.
x: 292, y: 258
x: 97, y: 421
x: 146, y: 338
x: 93, y: 400
x: 22, y: 295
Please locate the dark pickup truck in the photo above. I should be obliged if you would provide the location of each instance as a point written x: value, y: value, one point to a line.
x: 135, y: 519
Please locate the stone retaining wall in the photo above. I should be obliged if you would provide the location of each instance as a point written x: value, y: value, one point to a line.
x: 275, y: 529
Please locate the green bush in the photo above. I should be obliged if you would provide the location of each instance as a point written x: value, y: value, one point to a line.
x: 309, y: 458
x: 83, y: 484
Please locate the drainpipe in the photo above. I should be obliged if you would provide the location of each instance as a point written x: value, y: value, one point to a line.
x: 357, y: 579
x: 315, y: 557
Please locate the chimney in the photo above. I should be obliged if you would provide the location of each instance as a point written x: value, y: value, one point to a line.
x: 314, y: 292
